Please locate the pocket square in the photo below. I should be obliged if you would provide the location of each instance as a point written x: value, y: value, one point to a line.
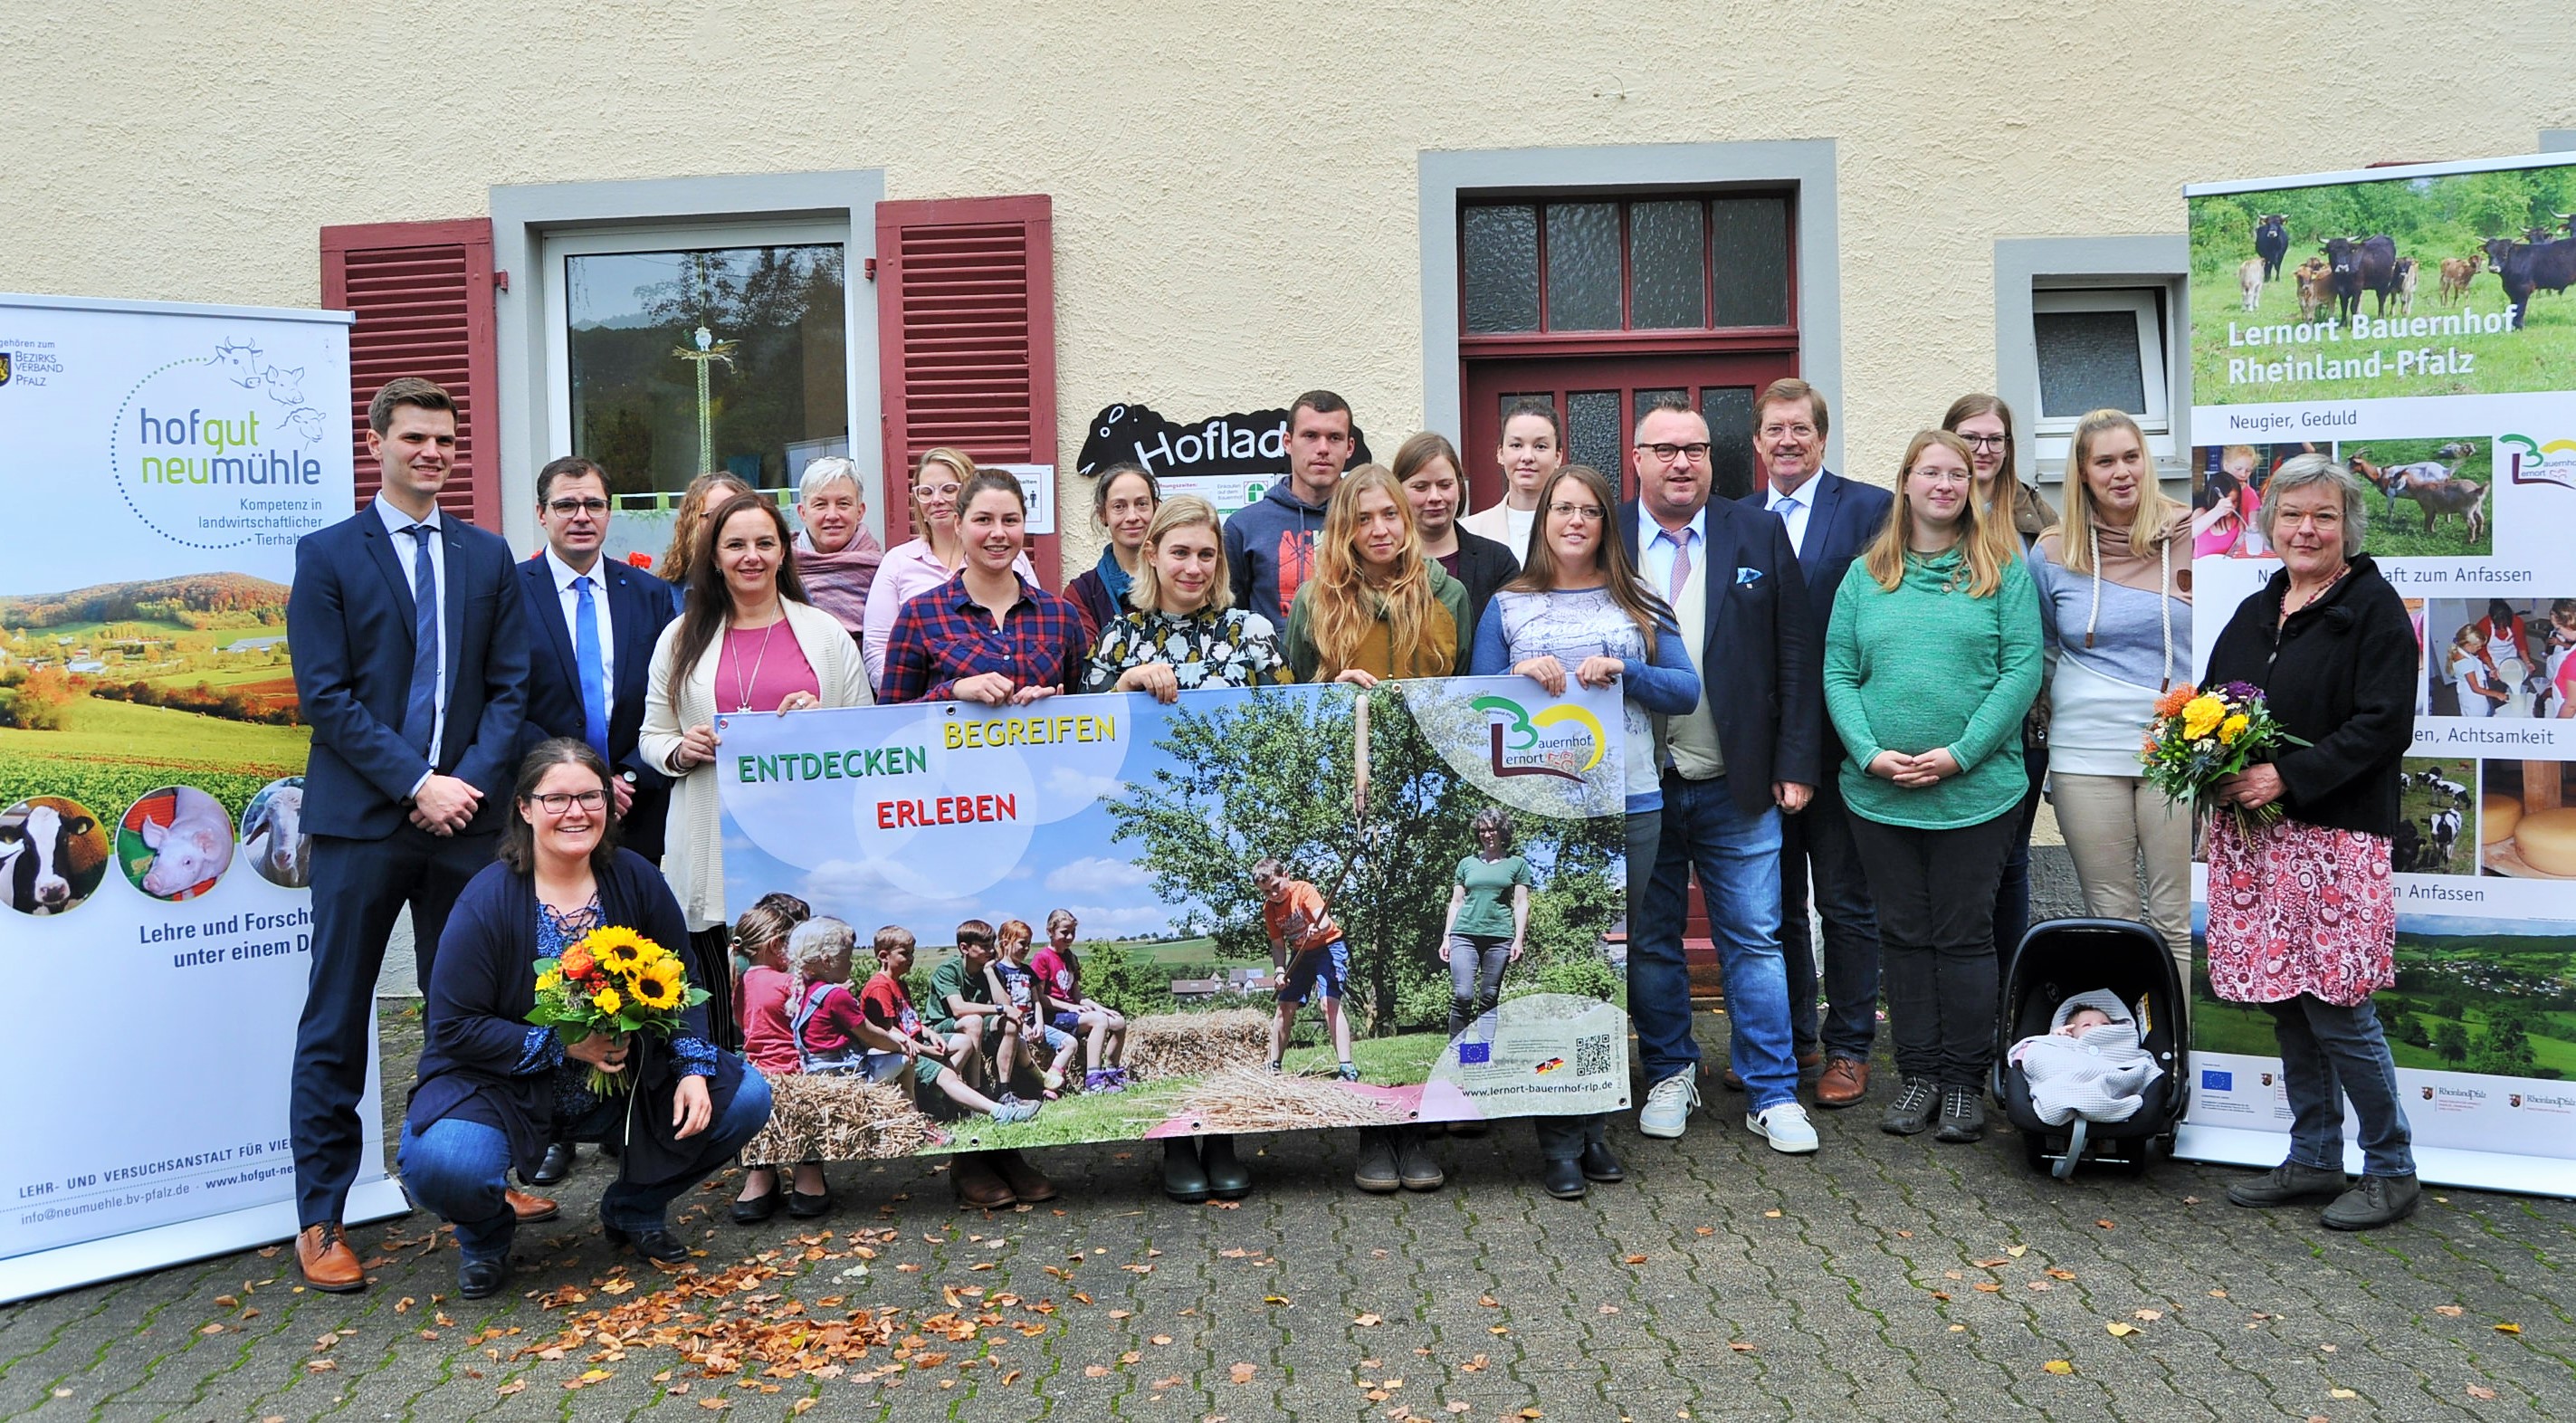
x: 1744, y: 576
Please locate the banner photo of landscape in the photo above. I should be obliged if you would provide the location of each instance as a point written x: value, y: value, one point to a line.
x: 1147, y: 823
x: 2414, y: 325
x: 161, y: 461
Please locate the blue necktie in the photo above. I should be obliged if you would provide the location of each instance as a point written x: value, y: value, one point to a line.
x: 420, y: 712
x: 594, y: 672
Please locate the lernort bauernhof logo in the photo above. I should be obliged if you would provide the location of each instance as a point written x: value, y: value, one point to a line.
x: 2525, y: 460
x: 1564, y: 741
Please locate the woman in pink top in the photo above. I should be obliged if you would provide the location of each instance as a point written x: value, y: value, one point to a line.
x: 749, y: 643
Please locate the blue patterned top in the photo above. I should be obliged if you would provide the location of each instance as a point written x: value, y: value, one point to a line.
x: 544, y: 1052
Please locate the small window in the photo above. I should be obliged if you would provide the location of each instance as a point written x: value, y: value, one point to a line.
x: 2101, y: 348
x: 1645, y: 264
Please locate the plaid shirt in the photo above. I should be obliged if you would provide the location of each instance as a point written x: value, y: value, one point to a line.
x: 944, y: 636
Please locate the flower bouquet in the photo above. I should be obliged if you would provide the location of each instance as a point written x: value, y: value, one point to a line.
x: 2202, y: 736
x: 617, y: 982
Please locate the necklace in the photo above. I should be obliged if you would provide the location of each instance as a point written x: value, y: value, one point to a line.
x: 742, y: 684
x: 2310, y: 601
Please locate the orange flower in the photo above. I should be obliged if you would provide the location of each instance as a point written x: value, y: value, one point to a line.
x: 2174, y: 701
x: 577, y: 963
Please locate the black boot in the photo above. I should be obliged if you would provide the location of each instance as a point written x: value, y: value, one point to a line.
x: 1184, y: 1180
x: 1228, y: 1179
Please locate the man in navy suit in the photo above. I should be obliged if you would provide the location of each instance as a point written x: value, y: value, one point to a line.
x: 411, y: 663
x: 1830, y: 521
x: 591, y: 626
x: 1731, y: 766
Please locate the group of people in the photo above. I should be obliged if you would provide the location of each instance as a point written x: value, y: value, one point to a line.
x: 1831, y: 693
x: 2503, y: 664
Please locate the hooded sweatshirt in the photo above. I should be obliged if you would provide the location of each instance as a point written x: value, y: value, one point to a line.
x: 2117, y: 639
x: 1269, y: 546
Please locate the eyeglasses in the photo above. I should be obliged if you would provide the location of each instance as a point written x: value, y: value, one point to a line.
x: 566, y: 508
x: 2323, y: 519
x: 1589, y: 513
x: 937, y: 491
x: 1985, y: 442
x: 1695, y: 451
x: 560, y: 803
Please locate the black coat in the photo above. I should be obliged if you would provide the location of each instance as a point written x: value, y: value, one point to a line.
x: 1484, y: 565
x: 481, y: 989
x: 2339, y: 675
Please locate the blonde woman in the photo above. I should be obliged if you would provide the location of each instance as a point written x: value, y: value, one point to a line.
x: 919, y: 564
x: 1182, y: 633
x: 1374, y: 606
x: 749, y: 642
x: 2114, y: 580
x: 1931, y: 660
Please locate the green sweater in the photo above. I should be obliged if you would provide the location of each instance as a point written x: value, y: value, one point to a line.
x: 1919, y: 668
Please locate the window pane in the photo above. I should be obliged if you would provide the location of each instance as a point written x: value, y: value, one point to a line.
x: 1583, y: 266
x: 2088, y: 360
x: 1729, y: 412
x: 1667, y: 263
x: 1751, y: 253
x: 772, y: 361
x: 1646, y: 400
x: 1502, y: 268
x: 1592, y: 433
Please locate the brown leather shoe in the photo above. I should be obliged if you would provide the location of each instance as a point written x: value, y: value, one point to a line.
x: 322, y: 1253
x: 1027, y: 1182
x: 978, y: 1182
x: 530, y: 1208
x: 1846, y: 1081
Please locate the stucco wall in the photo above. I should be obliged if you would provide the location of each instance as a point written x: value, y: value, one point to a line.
x: 1234, y: 183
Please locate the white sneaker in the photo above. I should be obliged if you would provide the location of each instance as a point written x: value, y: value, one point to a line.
x: 1785, y: 1125
x: 1668, y: 1106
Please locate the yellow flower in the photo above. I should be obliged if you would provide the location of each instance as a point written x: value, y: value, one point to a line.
x: 658, y: 987
x: 549, y: 981
x: 2200, y: 714
x: 606, y: 1000
x: 2231, y: 729
x: 617, y: 948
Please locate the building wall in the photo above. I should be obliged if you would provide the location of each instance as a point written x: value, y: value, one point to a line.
x: 1234, y: 184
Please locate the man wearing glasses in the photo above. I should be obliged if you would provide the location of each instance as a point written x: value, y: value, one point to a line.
x: 591, y: 624
x: 1830, y: 520
x: 1731, y: 767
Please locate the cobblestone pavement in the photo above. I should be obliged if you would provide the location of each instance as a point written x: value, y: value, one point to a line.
x: 1883, y: 1278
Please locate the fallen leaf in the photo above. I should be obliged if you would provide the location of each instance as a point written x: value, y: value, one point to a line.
x: 1531, y: 1413
x: 2480, y: 1393
x: 715, y: 1405
x: 1987, y: 1264
x: 2451, y: 1311
x: 1609, y: 1309
x: 513, y: 1386
x: 1242, y: 1373
x: 1274, y: 1299
x: 2119, y: 1330
x: 2016, y: 1251
x: 2341, y: 1393
x: 2218, y: 1294
x: 1366, y: 1321
x: 1711, y: 1230
x: 1455, y: 1406
x: 1632, y: 1260
x: 2149, y: 1315
x: 2058, y: 1366
x: 1489, y: 1302
x: 1771, y: 1215
x: 1121, y: 1313
x: 2191, y: 1200
x: 1905, y: 1235
x: 2061, y: 1274
x: 212, y: 1329
x: 1498, y: 1329
x: 1096, y: 1371
x: 1173, y: 1382
x: 1741, y: 1347
x: 2042, y: 1286
x: 1989, y: 1287
x: 1942, y: 1295
x: 2508, y: 1329
x: 802, y: 1404
x: 1162, y: 1338
x: 2106, y: 1223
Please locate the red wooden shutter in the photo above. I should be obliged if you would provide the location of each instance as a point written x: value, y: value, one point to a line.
x: 966, y: 326
x: 423, y: 295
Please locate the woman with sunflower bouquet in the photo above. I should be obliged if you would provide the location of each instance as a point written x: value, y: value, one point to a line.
x: 498, y: 1080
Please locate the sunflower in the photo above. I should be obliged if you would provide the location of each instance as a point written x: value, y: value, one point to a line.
x: 616, y: 947
x: 658, y: 986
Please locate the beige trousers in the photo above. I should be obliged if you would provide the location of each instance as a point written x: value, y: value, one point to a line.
x: 2116, y: 826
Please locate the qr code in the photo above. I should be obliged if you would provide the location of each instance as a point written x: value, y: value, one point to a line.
x: 1592, y: 1055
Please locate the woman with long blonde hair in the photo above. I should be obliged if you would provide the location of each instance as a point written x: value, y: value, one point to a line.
x: 1931, y: 660
x: 2114, y: 580
x: 1374, y: 606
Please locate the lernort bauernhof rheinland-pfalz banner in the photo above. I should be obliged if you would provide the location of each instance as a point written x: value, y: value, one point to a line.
x: 160, y: 461
x: 1146, y: 823
x: 2414, y: 325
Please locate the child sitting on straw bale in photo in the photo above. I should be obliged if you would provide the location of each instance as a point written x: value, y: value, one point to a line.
x: 965, y: 1011
x: 1101, y: 1030
x: 760, y: 943
x: 1031, y: 1013
x: 873, y: 1034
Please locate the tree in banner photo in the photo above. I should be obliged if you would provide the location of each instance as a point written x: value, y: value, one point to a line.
x: 1102, y: 918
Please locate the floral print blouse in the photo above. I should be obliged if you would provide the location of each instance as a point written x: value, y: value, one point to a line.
x: 1233, y: 648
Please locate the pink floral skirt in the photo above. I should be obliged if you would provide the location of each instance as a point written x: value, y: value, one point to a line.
x: 2297, y: 908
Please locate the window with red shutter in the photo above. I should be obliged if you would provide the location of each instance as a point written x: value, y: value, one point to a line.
x: 966, y: 314
x: 423, y: 295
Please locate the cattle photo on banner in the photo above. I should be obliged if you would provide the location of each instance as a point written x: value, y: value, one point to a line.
x: 161, y: 462
x: 1211, y: 874
x: 2415, y: 327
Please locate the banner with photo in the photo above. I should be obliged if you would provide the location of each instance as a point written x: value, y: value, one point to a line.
x: 2414, y: 324
x: 162, y: 461
x: 1150, y: 825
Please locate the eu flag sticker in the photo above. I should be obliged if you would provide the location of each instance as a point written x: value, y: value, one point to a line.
x: 2217, y: 1081
x: 1475, y: 1052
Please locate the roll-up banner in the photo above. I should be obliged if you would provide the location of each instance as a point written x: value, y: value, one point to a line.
x: 1135, y: 835
x: 2415, y: 325
x: 160, y: 462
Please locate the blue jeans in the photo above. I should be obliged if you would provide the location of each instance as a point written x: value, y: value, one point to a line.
x: 2328, y: 1054
x: 1816, y: 846
x: 459, y: 1169
x: 1737, y: 858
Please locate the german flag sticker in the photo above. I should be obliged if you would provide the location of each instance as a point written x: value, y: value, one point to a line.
x: 1549, y: 1066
